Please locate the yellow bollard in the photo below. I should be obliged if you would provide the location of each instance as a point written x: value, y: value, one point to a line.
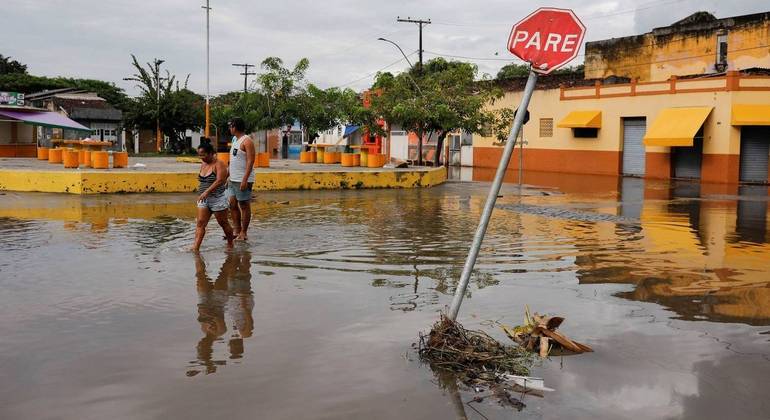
x: 348, y: 160
x: 375, y: 160
x: 120, y: 160
x: 71, y: 158
x: 42, y: 153
x: 100, y: 160
x: 55, y: 156
x: 356, y: 159
x: 364, y: 155
x: 329, y: 157
x: 263, y: 159
x: 319, y: 156
x: 224, y: 157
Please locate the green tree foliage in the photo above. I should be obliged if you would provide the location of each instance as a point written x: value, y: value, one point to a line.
x: 283, y: 96
x: 178, y: 108
x: 8, y: 66
x: 514, y: 71
x: 322, y: 109
x: 446, y: 97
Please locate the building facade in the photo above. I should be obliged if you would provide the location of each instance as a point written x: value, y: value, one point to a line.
x: 86, y: 108
x: 714, y: 127
x: 698, y: 44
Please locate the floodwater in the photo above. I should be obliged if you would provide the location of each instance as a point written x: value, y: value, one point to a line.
x: 104, y: 315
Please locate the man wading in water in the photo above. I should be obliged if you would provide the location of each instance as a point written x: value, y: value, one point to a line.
x: 212, y: 180
x: 242, y: 154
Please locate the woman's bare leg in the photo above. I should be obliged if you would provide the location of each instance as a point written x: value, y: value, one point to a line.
x: 221, y: 217
x: 204, y: 215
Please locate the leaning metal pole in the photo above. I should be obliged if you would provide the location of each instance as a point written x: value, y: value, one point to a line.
x: 518, y: 122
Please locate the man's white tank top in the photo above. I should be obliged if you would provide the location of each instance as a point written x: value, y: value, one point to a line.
x: 238, y: 161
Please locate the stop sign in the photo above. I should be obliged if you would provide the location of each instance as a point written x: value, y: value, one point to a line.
x: 548, y: 38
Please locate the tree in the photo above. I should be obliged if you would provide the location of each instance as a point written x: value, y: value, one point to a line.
x: 319, y: 110
x: 446, y: 97
x: 512, y: 71
x: 8, y: 66
x: 178, y: 108
x: 281, y: 87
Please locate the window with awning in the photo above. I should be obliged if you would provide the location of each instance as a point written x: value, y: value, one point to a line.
x: 582, y: 119
x: 750, y: 115
x: 43, y: 118
x: 676, y: 126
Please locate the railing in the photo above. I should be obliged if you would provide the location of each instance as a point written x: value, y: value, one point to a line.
x: 732, y: 81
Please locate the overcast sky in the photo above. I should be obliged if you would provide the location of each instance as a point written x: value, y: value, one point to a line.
x: 94, y: 38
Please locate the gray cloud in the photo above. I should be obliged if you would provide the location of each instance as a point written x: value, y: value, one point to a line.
x: 93, y: 38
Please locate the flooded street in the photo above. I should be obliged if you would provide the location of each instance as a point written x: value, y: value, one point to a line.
x: 104, y: 314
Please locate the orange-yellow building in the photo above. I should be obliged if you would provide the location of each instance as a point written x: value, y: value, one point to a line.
x: 674, y: 117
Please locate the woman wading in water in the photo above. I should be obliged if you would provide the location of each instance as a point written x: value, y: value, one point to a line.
x: 212, y: 179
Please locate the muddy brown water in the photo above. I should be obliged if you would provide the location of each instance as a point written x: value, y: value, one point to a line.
x: 103, y: 314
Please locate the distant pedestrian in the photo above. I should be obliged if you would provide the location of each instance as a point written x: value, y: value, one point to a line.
x: 242, y: 154
x: 212, y: 198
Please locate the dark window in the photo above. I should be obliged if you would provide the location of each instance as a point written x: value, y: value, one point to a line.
x: 585, y: 133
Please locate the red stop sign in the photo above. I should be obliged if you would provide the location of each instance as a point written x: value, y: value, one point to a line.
x: 548, y: 38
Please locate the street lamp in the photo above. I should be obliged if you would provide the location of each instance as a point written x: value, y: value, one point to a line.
x: 157, y: 103
x: 208, y: 93
x: 399, y: 48
x: 419, y: 134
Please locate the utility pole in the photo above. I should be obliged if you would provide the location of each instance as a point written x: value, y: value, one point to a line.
x: 208, y: 92
x: 246, y: 73
x: 420, y: 23
x: 157, y: 104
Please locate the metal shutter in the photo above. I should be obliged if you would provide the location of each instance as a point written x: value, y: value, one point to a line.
x: 755, y: 148
x: 687, y: 160
x: 633, y: 147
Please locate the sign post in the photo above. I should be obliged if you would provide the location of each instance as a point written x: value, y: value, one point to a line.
x: 547, y: 39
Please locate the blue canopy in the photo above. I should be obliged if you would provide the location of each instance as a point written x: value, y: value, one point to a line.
x: 350, y: 129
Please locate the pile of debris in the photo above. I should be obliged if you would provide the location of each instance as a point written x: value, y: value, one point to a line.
x: 473, y: 355
x: 478, y: 360
x: 538, y: 334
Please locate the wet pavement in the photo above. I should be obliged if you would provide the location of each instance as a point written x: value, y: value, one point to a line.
x: 103, y: 314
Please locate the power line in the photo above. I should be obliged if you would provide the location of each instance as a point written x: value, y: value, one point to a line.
x: 513, y: 58
x: 375, y: 72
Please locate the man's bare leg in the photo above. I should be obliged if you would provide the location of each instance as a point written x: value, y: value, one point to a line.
x: 235, y: 212
x: 245, y: 209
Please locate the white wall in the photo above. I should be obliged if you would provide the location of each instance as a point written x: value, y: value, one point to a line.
x: 466, y: 155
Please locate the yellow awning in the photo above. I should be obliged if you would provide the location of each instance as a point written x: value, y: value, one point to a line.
x: 582, y: 119
x: 676, y: 126
x: 751, y: 115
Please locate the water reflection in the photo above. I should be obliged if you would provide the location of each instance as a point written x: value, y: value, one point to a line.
x: 229, y: 296
x: 751, y: 217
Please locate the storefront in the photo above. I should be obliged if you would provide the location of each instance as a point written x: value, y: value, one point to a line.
x: 18, y: 136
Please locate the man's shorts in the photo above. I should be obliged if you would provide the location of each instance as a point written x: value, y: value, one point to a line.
x: 234, y: 190
x: 215, y: 203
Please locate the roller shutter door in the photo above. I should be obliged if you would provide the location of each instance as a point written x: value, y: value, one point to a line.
x: 633, y: 147
x: 687, y: 160
x: 755, y: 149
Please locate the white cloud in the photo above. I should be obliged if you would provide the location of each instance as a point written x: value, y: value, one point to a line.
x: 93, y: 38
